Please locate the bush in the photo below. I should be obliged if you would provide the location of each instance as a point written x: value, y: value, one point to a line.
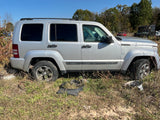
x: 6, y: 50
x: 2, y: 30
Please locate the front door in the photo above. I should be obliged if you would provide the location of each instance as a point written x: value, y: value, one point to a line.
x: 97, y: 54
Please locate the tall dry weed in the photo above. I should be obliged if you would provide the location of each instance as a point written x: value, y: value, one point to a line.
x: 5, y: 50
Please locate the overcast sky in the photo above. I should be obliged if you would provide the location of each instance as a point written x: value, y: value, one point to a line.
x: 57, y: 8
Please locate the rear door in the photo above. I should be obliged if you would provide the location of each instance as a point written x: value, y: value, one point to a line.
x: 64, y: 38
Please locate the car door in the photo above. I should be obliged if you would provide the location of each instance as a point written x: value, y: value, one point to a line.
x: 97, y: 53
x: 63, y: 39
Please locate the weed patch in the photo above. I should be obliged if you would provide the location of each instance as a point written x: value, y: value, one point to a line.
x: 146, y: 102
x: 6, y: 50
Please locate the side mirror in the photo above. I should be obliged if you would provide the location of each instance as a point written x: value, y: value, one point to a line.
x: 118, y: 38
x: 107, y: 40
x: 110, y: 40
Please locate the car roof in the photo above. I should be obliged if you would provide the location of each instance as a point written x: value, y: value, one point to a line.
x: 67, y: 20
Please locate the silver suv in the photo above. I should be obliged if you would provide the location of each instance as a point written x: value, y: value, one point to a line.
x: 49, y: 47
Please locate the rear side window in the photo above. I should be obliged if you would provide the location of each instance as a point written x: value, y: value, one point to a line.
x: 63, y: 32
x: 32, y: 32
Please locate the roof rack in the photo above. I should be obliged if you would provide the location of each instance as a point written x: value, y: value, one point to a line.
x: 46, y: 18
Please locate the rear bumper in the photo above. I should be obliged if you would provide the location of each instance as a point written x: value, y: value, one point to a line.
x: 17, y: 63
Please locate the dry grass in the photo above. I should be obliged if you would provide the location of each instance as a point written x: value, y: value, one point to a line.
x: 103, y: 98
x: 24, y: 99
x: 5, y: 50
x: 147, y: 102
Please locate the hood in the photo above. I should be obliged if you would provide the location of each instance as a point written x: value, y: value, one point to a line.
x: 136, y: 41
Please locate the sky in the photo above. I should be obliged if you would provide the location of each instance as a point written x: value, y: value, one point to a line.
x: 57, y: 8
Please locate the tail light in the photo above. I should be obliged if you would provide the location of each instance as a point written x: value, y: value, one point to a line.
x: 15, y: 51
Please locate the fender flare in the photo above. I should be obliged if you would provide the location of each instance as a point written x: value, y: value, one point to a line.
x: 139, y: 53
x: 43, y: 54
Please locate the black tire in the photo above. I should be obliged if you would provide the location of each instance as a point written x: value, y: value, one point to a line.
x: 140, y: 69
x: 45, y: 71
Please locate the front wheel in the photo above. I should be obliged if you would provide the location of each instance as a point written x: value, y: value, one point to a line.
x: 45, y: 71
x: 140, y: 69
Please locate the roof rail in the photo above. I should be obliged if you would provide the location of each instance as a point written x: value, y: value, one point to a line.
x: 46, y: 18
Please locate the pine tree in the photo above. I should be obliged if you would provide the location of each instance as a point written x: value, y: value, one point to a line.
x: 158, y: 22
x: 141, y: 14
x: 145, y: 12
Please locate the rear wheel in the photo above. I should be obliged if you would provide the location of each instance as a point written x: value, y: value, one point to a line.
x: 45, y: 71
x: 140, y: 69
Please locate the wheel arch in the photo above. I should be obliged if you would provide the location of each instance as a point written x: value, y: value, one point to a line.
x: 151, y: 59
x: 34, y: 56
x: 127, y: 65
x: 37, y: 59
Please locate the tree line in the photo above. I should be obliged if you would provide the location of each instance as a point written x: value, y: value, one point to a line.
x: 123, y: 17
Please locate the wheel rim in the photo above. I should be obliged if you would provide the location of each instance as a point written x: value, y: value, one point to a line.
x: 144, y: 71
x: 44, y: 73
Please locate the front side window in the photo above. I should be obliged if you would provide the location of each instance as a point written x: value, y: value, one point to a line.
x: 63, y: 32
x: 32, y: 32
x: 93, y: 34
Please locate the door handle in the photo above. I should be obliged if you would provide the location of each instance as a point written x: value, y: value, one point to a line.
x: 86, y: 46
x: 52, y: 46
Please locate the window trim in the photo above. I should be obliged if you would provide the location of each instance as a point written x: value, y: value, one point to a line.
x: 56, y: 32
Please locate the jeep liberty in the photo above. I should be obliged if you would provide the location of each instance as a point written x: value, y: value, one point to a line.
x: 50, y: 47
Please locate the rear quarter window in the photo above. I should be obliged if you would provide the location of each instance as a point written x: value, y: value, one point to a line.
x: 32, y: 32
